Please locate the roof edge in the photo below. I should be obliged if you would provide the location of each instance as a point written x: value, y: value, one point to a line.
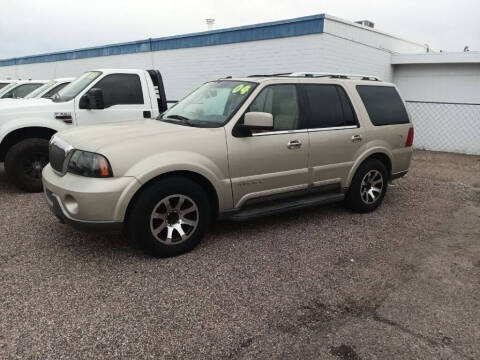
x: 261, y: 31
x: 472, y: 57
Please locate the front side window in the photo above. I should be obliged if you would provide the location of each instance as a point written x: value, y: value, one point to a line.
x: 329, y: 106
x: 211, y: 105
x: 383, y: 104
x: 121, y: 89
x: 76, y: 86
x: 2, y: 85
x: 21, y: 91
x: 282, y: 102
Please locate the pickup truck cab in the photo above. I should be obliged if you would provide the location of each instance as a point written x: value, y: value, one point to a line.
x: 235, y: 148
x: 97, y: 97
x: 19, y: 89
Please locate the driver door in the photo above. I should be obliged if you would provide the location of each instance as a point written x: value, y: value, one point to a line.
x: 270, y: 163
x: 124, y: 101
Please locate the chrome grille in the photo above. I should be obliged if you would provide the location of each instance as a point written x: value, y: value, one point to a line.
x: 57, y: 157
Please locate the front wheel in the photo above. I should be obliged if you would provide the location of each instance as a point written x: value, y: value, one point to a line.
x: 170, y: 217
x: 24, y: 163
x: 368, y: 187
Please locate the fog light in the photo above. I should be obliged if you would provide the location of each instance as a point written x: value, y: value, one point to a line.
x: 71, y: 204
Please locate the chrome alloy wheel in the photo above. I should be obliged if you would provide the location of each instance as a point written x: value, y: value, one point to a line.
x: 174, y: 219
x: 371, y: 187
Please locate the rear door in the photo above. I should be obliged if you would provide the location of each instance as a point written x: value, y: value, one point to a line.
x: 126, y: 98
x: 334, y: 131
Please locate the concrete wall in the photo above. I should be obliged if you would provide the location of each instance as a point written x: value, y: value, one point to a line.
x: 370, y: 37
x: 444, y: 103
x: 439, y: 82
x: 184, y: 69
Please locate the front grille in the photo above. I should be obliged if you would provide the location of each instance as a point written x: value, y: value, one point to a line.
x: 57, y: 157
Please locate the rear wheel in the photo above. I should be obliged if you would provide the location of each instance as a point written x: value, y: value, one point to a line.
x: 24, y: 163
x: 368, y: 186
x: 170, y: 217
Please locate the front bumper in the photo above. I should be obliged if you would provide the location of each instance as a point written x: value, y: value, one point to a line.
x: 88, y: 203
x: 57, y: 207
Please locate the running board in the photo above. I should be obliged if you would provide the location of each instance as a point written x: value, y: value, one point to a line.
x: 280, y: 206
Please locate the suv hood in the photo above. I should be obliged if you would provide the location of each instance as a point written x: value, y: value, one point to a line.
x: 126, y: 144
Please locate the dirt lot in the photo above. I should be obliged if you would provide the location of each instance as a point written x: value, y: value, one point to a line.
x: 400, y: 283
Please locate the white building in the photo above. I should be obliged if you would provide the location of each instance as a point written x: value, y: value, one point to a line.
x: 314, y: 43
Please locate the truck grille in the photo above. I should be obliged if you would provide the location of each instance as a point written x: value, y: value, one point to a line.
x: 57, y: 157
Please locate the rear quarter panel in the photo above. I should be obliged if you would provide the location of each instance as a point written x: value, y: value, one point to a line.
x: 386, y: 139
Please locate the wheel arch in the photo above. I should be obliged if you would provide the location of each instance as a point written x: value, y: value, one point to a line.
x: 380, y: 154
x: 19, y: 134
x: 194, y: 176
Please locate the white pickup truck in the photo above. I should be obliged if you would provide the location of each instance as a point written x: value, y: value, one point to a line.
x: 19, y: 88
x: 46, y: 91
x: 97, y: 97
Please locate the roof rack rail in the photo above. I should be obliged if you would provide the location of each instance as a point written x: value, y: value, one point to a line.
x: 270, y: 75
x: 336, y: 75
x: 321, y: 74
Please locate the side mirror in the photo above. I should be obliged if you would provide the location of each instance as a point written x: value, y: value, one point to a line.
x: 8, y: 96
x: 93, y: 99
x: 258, y: 121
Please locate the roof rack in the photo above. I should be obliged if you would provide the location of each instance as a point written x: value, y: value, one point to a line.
x: 321, y: 74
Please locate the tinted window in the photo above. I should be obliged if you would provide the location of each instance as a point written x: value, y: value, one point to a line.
x: 2, y: 85
x: 121, y: 89
x: 53, y: 91
x: 349, y: 116
x: 329, y: 106
x: 22, y: 90
x: 282, y: 102
x: 383, y: 105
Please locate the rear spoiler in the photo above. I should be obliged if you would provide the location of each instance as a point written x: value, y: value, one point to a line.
x: 159, y: 89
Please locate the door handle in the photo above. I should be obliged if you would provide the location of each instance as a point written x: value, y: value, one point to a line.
x: 294, y: 144
x: 356, y: 138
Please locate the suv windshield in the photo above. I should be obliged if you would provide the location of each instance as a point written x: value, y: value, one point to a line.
x: 76, y: 86
x: 211, y: 105
x: 40, y: 90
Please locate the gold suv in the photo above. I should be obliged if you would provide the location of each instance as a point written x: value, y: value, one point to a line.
x: 235, y: 148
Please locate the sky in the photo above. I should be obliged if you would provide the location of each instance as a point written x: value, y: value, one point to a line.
x: 29, y: 27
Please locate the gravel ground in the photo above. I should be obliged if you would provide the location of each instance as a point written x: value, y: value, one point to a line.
x: 400, y: 283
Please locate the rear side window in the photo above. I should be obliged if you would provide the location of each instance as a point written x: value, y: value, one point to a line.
x: 121, y: 89
x: 21, y: 91
x: 383, y: 104
x: 329, y: 106
x: 53, y: 91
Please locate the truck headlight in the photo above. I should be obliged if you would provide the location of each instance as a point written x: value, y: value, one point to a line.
x: 89, y: 164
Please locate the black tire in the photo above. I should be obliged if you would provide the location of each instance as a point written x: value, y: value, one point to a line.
x: 24, y: 163
x: 354, y: 199
x: 153, y: 197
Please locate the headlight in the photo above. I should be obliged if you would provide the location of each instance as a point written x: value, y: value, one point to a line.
x: 89, y: 164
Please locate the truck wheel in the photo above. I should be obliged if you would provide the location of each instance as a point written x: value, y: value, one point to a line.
x: 368, y: 187
x: 170, y: 217
x: 24, y: 163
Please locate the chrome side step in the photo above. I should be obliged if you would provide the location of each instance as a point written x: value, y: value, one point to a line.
x: 280, y: 206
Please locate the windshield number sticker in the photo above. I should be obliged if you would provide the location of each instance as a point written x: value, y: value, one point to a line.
x: 242, y: 89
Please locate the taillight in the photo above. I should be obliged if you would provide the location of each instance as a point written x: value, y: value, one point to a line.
x: 409, y: 141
